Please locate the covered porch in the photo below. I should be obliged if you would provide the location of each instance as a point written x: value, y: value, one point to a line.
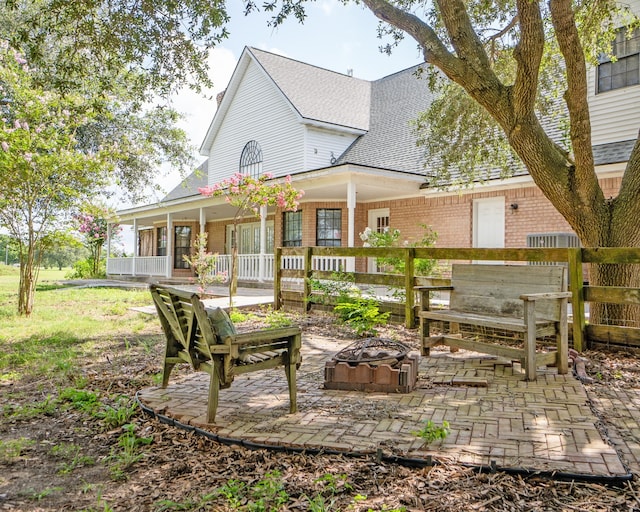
x: 163, y: 233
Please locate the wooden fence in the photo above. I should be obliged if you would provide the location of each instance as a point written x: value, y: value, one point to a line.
x: 584, y: 334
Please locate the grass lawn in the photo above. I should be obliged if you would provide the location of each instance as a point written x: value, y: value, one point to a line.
x: 66, y: 322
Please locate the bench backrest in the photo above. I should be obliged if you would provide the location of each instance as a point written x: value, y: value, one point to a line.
x: 185, y: 322
x: 496, y: 289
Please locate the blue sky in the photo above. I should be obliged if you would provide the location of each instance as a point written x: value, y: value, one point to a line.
x: 334, y: 36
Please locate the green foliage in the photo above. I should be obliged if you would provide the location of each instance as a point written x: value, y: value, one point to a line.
x: 431, y: 432
x: 129, y: 451
x: 339, y: 288
x: 276, y: 318
x: 120, y: 414
x: 392, y: 238
x: 84, y: 269
x: 83, y: 400
x: 266, y: 495
x: 71, y: 457
x: 12, y: 449
x: 203, y: 263
x: 362, y: 314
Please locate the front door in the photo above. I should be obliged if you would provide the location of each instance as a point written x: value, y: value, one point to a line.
x: 488, y: 223
x: 379, y: 221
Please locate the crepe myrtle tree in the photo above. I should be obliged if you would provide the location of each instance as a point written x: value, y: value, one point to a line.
x: 93, y: 223
x: 42, y: 174
x: 248, y: 195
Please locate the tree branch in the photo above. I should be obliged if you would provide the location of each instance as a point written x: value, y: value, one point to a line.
x: 564, y: 23
x: 528, y: 55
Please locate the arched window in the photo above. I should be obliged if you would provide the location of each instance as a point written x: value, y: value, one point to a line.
x: 251, y: 159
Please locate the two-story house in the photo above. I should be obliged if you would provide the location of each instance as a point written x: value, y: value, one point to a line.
x: 348, y: 143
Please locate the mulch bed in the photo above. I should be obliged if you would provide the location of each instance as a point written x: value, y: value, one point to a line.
x: 183, y: 471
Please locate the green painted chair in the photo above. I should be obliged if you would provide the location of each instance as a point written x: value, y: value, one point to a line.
x: 207, y: 340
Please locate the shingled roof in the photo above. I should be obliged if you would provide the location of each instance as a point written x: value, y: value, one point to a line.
x: 390, y: 142
x: 189, y: 186
x: 319, y: 94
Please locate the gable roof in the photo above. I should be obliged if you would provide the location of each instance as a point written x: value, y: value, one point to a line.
x: 319, y: 94
x: 316, y: 95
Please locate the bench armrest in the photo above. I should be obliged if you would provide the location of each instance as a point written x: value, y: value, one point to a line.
x: 432, y: 288
x: 545, y: 296
x: 253, y: 337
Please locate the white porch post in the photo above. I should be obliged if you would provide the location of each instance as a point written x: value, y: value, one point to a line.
x: 203, y: 221
x: 351, y: 222
x: 263, y: 243
x: 109, y: 226
x: 169, y: 244
x: 136, y: 246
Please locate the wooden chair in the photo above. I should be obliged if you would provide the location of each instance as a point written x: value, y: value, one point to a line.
x: 207, y: 340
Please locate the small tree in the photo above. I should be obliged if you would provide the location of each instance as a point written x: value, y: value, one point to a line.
x: 93, y: 224
x: 392, y: 238
x: 42, y: 172
x: 249, y: 195
x: 203, y: 263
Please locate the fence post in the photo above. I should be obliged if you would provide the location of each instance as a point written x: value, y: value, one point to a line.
x: 277, y: 278
x: 577, y: 298
x: 409, y: 270
x: 308, y: 272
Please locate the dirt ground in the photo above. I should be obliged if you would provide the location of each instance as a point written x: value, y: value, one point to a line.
x: 71, y: 462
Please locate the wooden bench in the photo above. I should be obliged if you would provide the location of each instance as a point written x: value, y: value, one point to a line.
x: 527, y: 299
x: 207, y: 340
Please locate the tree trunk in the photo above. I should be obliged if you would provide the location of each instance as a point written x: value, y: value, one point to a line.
x: 28, y: 279
x: 614, y: 275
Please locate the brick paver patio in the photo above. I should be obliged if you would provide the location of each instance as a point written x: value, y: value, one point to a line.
x: 547, y: 426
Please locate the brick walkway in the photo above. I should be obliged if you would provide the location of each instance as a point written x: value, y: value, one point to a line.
x: 546, y: 426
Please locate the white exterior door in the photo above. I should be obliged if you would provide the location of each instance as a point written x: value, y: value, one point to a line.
x: 379, y: 221
x: 488, y: 223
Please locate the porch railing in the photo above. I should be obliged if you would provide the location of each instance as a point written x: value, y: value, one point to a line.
x: 138, y: 266
x: 249, y: 265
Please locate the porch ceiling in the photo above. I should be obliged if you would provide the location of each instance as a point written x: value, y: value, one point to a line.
x: 328, y: 184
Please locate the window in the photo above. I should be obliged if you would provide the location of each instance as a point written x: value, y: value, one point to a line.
x: 292, y: 229
x: 182, y: 246
x: 329, y: 227
x: 625, y: 71
x: 161, y: 241
x: 251, y: 159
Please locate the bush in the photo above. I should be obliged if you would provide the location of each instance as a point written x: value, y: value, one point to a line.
x: 83, y: 269
x: 362, y: 314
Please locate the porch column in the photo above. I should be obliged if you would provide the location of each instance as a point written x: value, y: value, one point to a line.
x: 169, y: 244
x: 136, y: 246
x: 351, y: 222
x: 109, y: 225
x: 263, y: 243
x: 203, y: 221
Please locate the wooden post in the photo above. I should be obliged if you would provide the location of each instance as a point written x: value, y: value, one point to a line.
x: 409, y: 270
x: 277, y: 278
x: 308, y: 273
x: 577, y: 297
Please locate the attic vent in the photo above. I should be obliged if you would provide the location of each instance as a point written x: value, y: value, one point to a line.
x: 350, y: 72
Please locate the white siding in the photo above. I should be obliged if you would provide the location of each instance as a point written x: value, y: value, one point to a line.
x: 322, y: 144
x: 258, y: 112
x: 615, y: 115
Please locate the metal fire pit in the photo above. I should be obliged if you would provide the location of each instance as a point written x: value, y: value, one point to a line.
x: 373, y: 364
